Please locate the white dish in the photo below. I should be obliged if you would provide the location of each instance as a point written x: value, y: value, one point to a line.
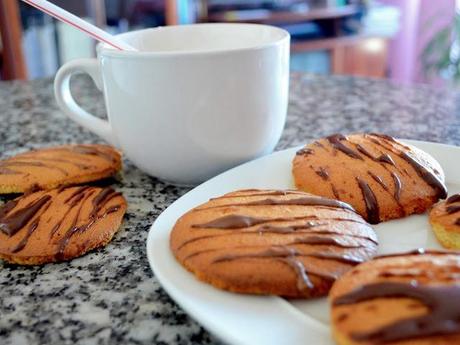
x: 245, y: 319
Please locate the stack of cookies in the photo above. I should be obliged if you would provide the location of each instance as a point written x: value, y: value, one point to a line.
x: 55, y: 220
x: 305, y: 242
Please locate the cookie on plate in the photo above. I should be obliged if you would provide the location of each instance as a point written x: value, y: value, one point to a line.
x: 399, y: 299
x: 445, y: 221
x: 286, y: 243
x: 53, y: 167
x: 379, y: 176
x: 59, y: 224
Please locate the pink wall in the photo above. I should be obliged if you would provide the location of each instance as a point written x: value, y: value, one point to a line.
x: 433, y: 16
x: 420, y: 19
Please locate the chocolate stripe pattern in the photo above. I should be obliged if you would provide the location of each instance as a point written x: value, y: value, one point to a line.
x: 396, y: 159
x: 453, y: 206
x: 82, y: 207
x: 289, y: 227
x: 57, y: 159
x: 442, y: 317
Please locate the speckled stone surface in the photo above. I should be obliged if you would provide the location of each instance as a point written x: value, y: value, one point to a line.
x: 110, y: 296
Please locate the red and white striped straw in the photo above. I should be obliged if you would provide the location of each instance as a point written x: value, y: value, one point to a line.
x: 69, y: 18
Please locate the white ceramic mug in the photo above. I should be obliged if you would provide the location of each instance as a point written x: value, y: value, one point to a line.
x: 194, y: 101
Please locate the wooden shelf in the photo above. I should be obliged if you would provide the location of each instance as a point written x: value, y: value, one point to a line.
x: 284, y: 17
x: 325, y: 43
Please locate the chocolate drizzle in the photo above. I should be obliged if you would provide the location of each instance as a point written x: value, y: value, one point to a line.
x: 383, y: 158
x: 453, y: 198
x: 93, y: 151
x: 258, y: 192
x: 38, y: 159
x: 294, y: 236
x: 75, y: 198
x: 378, y: 179
x: 290, y: 239
x: 235, y: 221
x: 452, y: 209
x: 98, y: 202
x: 397, y: 190
x: 301, y: 201
x: 10, y: 224
x: 336, y: 142
x: 287, y: 229
x: 28, y: 217
x: 289, y: 256
x: 443, y: 317
x: 32, y: 227
x: 323, y: 173
x: 398, y: 185
x: 306, y: 228
x: 372, y: 206
x: 73, y: 230
x: 104, y: 196
x: 304, y: 152
x: 13, y: 162
x: 391, y: 146
x: 6, y: 208
x: 429, y: 177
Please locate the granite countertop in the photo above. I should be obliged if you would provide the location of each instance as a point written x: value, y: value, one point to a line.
x: 110, y: 296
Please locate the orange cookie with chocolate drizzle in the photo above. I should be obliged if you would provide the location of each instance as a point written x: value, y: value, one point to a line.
x: 59, y: 224
x: 379, y: 176
x: 445, y: 221
x: 287, y: 243
x: 401, y: 299
x: 58, y: 166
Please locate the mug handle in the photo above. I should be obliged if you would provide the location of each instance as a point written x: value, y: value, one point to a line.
x: 67, y: 103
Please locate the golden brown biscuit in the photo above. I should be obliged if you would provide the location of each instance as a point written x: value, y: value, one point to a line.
x: 376, y: 174
x: 59, y: 224
x: 402, y: 299
x: 58, y: 166
x: 445, y: 221
x: 285, y: 243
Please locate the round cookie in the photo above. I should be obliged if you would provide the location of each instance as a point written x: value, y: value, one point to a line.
x: 286, y: 243
x: 53, y: 167
x: 401, y: 299
x: 379, y: 176
x: 445, y: 221
x: 59, y: 224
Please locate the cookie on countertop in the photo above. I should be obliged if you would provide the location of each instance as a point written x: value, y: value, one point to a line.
x: 445, y: 221
x: 400, y: 299
x: 276, y: 242
x: 59, y: 224
x: 379, y: 176
x: 58, y: 166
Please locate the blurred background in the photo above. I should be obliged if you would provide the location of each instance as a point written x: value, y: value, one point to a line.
x: 409, y: 41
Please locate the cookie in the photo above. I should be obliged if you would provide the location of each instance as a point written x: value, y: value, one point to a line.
x: 379, y: 176
x: 445, y: 221
x: 59, y: 224
x: 58, y: 166
x: 402, y: 299
x: 275, y: 242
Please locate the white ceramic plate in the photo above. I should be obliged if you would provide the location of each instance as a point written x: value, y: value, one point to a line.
x: 245, y: 319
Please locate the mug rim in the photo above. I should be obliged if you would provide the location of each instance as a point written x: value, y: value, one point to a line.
x: 104, y: 49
